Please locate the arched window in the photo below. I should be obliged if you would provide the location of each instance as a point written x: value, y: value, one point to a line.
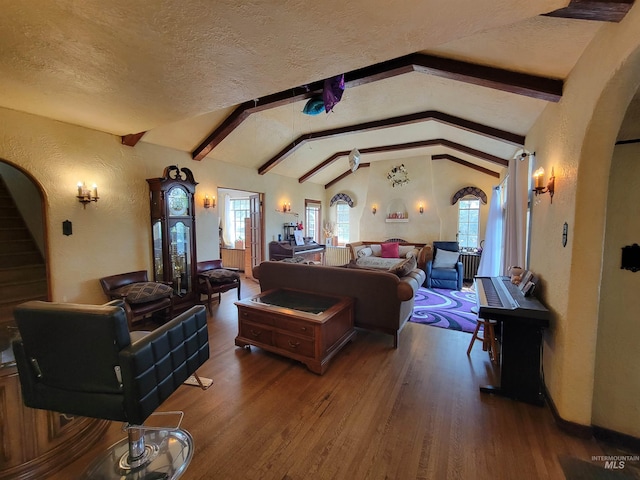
x: 342, y: 222
x: 469, y: 215
x: 468, y: 222
x: 313, y: 220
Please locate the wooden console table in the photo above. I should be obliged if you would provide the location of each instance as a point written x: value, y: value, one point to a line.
x: 296, y: 324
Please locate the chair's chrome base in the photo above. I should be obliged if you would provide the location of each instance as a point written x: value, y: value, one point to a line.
x: 168, y: 453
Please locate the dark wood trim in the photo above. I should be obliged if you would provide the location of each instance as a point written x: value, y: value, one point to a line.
x: 407, y: 146
x: 602, y: 434
x: 429, y: 115
x: 345, y: 174
x: 626, y: 142
x: 132, y: 139
x: 446, y: 156
x: 598, y: 10
x: 622, y: 440
x: 572, y: 428
x: 544, y: 88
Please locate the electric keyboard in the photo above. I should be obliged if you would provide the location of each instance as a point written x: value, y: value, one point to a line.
x: 499, y: 299
x: 520, y: 323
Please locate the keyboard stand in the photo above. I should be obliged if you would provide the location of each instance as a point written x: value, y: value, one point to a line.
x: 520, y: 364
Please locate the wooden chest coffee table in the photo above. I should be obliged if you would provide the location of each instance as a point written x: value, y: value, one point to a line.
x: 299, y: 325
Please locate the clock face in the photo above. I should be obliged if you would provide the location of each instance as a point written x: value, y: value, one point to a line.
x: 178, y: 202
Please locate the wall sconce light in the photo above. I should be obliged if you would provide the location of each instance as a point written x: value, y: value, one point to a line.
x: 86, y: 195
x: 374, y: 209
x: 209, y: 202
x: 286, y: 207
x: 421, y: 209
x: 538, y: 183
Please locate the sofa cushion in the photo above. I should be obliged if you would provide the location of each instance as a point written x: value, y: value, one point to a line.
x: 389, y: 250
x: 445, y: 259
x: 376, y: 249
x: 221, y: 275
x: 444, y: 274
x: 406, y: 251
x: 377, y: 262
x: 365, y: 252
x: 403, y: 268
x: 143, y: 292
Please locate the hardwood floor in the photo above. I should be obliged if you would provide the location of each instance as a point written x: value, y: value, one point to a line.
x: 377, y: 413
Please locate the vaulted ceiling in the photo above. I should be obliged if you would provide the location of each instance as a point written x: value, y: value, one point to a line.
x: 227, y: 81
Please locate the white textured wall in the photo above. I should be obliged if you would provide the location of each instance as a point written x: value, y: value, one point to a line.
x: 617, y: 383
x: 113, y: 235
x: 576, y: 138
x: 432, y: 183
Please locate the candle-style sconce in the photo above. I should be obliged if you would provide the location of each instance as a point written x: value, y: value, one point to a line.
x: 421, y: 209
x: 538, y: 183
x: 86, y: 195
x: 286, y: 208
x: 209, y: 202
x: 374, y: 209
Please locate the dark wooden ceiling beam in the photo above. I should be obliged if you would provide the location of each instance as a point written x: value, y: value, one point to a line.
x: 429, y: 115
x: 541, y: 88
x: 599, y: 10
x: 345, y: 174
x: 407, y: 146
x: 244, y: 110
x: 131, y: 139
x: 446, y: 156
x: 535, y: 86
x: 443, y: 156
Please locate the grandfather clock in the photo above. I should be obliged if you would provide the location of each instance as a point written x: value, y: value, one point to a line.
x: 173, y: 230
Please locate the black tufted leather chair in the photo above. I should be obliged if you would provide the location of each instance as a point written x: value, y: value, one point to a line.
x: 81, y: 360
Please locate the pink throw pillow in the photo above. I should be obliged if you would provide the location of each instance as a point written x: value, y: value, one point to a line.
x: 389, y: 250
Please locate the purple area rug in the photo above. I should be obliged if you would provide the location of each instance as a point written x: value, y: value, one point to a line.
x: 445, y: 308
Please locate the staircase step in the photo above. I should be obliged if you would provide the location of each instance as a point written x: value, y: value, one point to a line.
x: 8, y: 260
x: 11, y: 221
x: 6, y: 201
x: 17, y: 246
x: 7, y: 306
x: 22, y: 273
x: 23, y: 289
x: 17, y: 233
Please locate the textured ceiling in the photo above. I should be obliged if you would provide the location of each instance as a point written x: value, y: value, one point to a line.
x: 176, y: 70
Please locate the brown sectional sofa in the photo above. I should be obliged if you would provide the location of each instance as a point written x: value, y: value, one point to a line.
x: 383, y: 301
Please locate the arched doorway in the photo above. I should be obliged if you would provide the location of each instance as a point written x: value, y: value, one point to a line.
x: 616, y: 384
x: 33, y: 442
x: 23, y: 240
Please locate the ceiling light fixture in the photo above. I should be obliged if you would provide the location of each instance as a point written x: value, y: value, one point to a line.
x: 354, y: 159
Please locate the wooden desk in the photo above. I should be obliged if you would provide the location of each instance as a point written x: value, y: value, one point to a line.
x: 296, y: 324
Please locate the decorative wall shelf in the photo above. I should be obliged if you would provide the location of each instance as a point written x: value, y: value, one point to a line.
x: 396, y: 220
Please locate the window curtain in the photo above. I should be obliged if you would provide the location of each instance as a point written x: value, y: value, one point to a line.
x: 227, y: 231
x: 491, y: 259
x: 515, y: 218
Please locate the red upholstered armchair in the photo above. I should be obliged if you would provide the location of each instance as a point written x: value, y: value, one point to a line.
x: 213, y: 279
x: 141, y: 297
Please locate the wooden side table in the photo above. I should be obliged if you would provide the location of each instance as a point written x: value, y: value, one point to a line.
x: 296, y: 324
